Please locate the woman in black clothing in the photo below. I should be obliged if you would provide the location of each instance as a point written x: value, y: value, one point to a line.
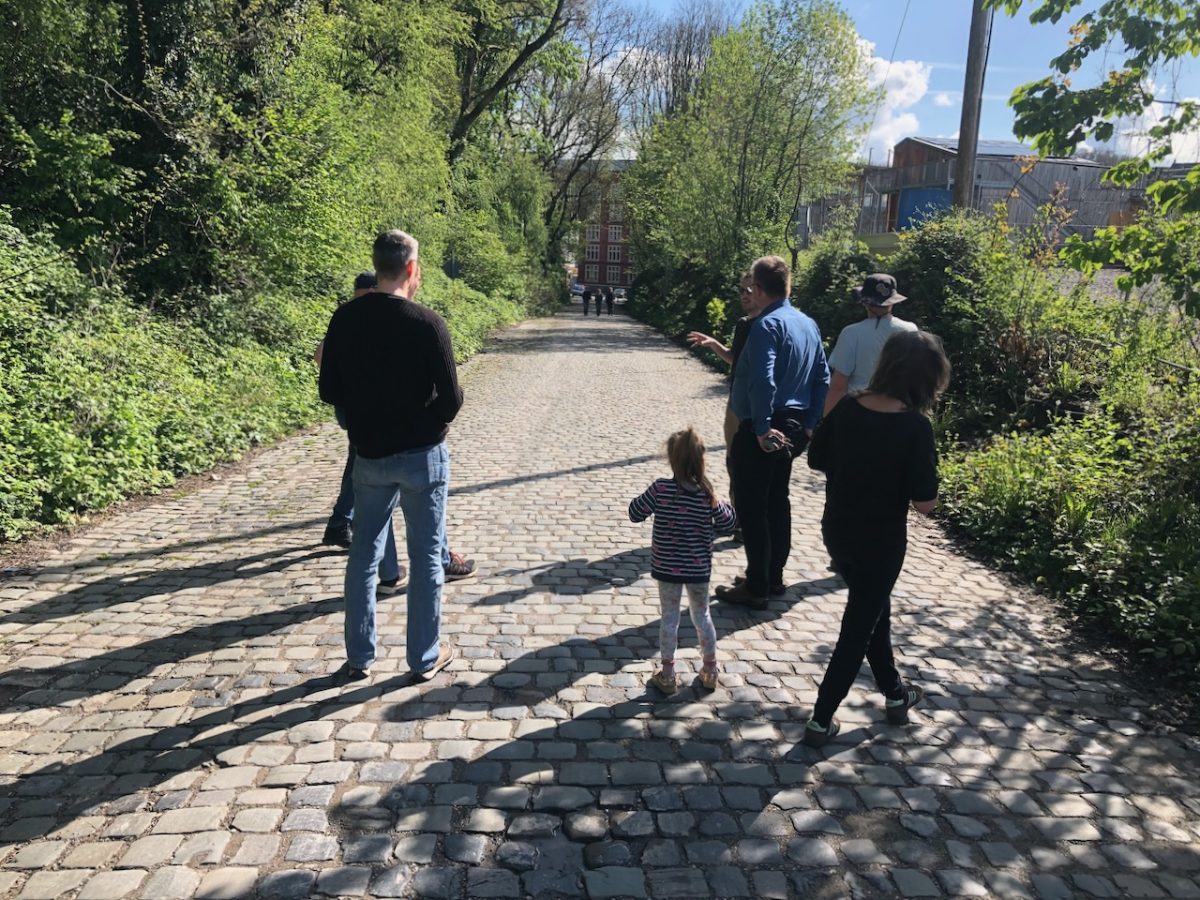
x: 878, y: 453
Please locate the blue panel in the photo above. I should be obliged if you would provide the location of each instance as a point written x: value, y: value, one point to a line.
x: 917, y: 203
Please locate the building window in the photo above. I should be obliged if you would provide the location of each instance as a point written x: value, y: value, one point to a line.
x: 614, y: 274
x: 593, y: 252
x: 591, y: 273
x: 614, y: 252
x: 614, y: 233
x: 593, y: 232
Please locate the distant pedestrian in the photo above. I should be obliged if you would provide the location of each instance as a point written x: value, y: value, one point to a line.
x: 609, y: 300
x: 599, y: 301
x: 687, y: 514
x: 852, y: 362
x: 877, y: 451
x: 587, y: 298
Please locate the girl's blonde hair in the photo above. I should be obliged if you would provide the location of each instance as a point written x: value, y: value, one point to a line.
x: 685, y: 453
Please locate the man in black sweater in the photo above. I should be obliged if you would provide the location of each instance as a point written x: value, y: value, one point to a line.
x: 389, y: 365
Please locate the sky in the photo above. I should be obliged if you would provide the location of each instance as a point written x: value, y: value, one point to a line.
x: 924, y: 80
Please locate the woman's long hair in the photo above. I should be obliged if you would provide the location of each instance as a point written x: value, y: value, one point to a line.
x: 685, y: 453
x: 912, y: 368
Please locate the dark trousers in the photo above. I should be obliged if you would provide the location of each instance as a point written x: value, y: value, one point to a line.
x: 870, y: 565
x: 763, y: 508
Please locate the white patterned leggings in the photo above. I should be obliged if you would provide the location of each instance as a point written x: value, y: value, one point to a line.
x: 670, y: 594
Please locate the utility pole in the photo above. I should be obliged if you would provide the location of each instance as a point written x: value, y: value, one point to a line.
x: 968, y: 128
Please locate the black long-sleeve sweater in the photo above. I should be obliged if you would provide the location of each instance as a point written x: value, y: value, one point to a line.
x: 389, y: 366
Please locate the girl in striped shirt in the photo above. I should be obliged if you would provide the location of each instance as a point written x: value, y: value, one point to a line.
x: 687, y: 514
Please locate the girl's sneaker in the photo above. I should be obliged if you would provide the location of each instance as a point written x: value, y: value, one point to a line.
x: 668, y: 684
x: 816, y: 736
x: 897, y: 710
x: 707, y: 679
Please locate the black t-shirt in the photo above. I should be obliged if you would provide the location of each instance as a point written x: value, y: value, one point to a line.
x: 388, y: 364
x: 876, y: 463
x: 741, y: 331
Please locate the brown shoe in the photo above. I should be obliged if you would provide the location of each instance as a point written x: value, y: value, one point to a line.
x: 739, y: 595
x: 445, y: 655
x: 707, y: 679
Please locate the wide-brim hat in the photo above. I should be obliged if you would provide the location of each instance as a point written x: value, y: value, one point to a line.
x: 879, y: 290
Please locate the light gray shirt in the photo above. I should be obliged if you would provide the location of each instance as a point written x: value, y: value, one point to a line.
x: 858, y: 347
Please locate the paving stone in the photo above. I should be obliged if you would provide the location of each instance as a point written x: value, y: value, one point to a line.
x: 681, y: 882
x: 393, y: 882
x: 961, y: 884
x: 344, y: 881
x: 438, y: 882
x: 811, y: 852
x: 493, y: 883
x: 915, y: 884
x: 229, y: 883
x: 306, y: 847
x: 150, y: 851
x: 112, y: 885
x: 588, y: 825
x: 171, y: 882
x: 292, y: 884
x: 614, y: 881
x: 419, y: 848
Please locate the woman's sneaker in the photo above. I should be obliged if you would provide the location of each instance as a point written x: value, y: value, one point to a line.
x: 817, y: 736
x: 897, y: 710
x: 459, y: 567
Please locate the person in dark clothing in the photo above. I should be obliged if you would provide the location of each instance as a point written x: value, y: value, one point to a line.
x: 608, y: 300
x: 730, y: 354
x: 389, y: 365
x: 599, y: 301
x: 877, y: 451
x: 778, y: 392
x: 587, y: 298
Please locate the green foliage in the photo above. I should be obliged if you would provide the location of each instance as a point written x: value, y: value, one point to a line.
x: 1058, y: 115
x: 191, y: 186
x: 771, y: 125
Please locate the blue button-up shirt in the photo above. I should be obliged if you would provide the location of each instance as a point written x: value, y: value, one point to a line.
x: 782, y: 367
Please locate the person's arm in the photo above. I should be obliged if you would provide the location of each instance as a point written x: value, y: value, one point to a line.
x: 758, y: 362
x: 319, y: 353
x: 643, y: 505
x: 839, y: 384
x: 818, y: 391
x: 819, y: 447
x: 724, y: 518
x: 704, y: 342
x: 449, y: 399
x: 328, y: 381
x: 923, y: 468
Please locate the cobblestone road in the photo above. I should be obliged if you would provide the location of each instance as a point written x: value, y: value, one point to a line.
x: 169, y: 727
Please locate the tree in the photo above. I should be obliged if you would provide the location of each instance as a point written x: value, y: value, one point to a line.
x: 1058, y: 115
x: 772, y: 123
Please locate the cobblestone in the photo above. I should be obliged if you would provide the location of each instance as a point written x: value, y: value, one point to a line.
x: 173, y: 726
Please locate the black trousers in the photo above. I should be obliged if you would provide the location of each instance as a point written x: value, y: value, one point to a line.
x: 870, y: 565
x: 763, y: 507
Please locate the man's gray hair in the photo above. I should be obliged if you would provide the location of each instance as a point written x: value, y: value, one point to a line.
x: 392, y: 253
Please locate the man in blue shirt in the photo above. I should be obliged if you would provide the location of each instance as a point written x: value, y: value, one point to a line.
x: 779, y: 388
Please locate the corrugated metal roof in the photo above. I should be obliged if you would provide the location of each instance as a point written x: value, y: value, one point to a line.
x: 985, y: 148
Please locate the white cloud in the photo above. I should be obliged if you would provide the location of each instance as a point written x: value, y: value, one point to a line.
x: 942, y: 99
x: 905, y: 83
x: 1132, y: 134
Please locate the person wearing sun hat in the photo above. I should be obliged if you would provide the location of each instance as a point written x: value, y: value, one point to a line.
x: 852, y: 362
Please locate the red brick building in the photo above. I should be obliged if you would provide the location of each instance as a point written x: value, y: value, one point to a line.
x: 603, y: 258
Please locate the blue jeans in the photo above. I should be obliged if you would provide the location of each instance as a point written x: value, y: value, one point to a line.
x: 417, y: 480
x: 343, y: 514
